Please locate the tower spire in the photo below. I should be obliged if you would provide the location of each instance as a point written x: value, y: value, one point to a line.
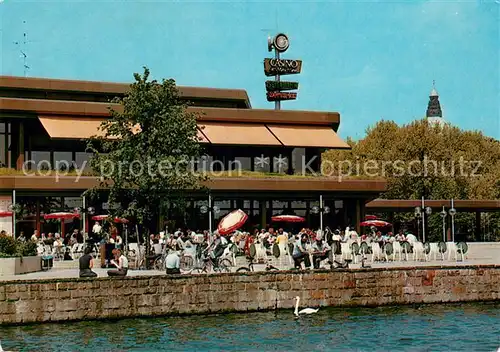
x: 434, y: 107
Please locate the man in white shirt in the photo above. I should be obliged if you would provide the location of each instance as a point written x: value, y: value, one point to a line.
x: 173, y: 262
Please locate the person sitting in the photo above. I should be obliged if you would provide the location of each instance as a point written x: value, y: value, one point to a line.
x: 67, y: 254
x: 87, y: 263
x: 122, y: 265
x: 321, y: 252
x: 173, y: 262
x: 300, y: 253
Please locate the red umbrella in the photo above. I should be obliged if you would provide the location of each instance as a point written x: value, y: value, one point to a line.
x: 371, y: 217
x: 5, y: 214
x: 104, y: 217
x: 376, y: 223
x: 232, y: 221
x: 288, y: 218
x: 61, y: 215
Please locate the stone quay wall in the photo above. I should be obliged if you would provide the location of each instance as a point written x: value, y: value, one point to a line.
x: 108, y: 298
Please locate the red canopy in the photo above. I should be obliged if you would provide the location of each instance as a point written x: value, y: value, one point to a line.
x: 104, y: 217
x: 376, y: 223
x: 61, y: 215
x: 371, y: 217
x: 5, y: 214
x: 288, y: 218
x: 232, y: 221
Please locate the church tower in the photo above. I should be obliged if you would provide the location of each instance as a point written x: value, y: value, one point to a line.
x: 434, y: 113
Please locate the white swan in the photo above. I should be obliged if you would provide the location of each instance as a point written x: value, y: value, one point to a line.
x: 303, y: 311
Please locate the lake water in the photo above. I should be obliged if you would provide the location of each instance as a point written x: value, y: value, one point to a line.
x: 464, y: 327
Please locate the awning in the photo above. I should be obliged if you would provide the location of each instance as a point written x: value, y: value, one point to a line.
x: 308, y: 136
x: 237, y: 133
x: 71, y: 127
x: 65, y: 127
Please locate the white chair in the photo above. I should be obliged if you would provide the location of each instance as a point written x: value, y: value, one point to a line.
x: 283, y: 246
x: 260, y: 252
x: 345, y: 249
x: 419, y: 251
x: 396, y: 250
x: 452, y: 249
x: 377, y: 253
x: 434, y: 252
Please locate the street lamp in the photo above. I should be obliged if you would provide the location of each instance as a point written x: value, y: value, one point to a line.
x: 443, y: 214
x: 210, y: 210
x: 418, y: 215
x: 321, y: 210
x: 452, y: 213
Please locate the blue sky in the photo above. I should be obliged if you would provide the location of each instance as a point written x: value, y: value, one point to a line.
x: 367, y: 60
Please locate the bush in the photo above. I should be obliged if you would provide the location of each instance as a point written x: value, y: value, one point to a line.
x: 10, y: 247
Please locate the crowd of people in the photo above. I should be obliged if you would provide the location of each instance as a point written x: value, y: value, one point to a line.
x: 302, y: 245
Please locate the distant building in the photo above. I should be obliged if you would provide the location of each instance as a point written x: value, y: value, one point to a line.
x: 434, y: 113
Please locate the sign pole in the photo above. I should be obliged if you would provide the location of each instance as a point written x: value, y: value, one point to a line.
x: 321, y: 213
x: 210, y: 214
x: 14, y: 214
x: 277, y: 103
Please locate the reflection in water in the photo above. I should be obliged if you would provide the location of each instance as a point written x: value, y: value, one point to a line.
x: 468, y: 327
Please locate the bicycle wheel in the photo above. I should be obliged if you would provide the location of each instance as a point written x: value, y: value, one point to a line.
x: 158, y: 264
x: 243, y: 269
x: 225, y: 265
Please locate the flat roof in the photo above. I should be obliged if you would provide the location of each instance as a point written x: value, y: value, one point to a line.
x: 61, y: 85
x: 285, y: 184
x: 84, y: 108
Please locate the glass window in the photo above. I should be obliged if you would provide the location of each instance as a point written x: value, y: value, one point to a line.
x: 204, y: 163
x: 41, y: 160
x: 2, y: 127
x: 279, y: 204
x: 299, y: 204
x: 298, y: 159
x: 3, y: 154
x: 82, y: 160
x: 71, y: 203
x: 241, y: 163
x: 280, y: 164
x: 339, y: 204
x: 246, y: 204
x: 262, y: 164
x: 63, y: 161
x: 300, y: 212
x: 223, y: 204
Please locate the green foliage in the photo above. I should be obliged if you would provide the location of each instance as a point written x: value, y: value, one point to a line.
x: 422, y: 160
x: 147, y: 168
x: 10, y: 247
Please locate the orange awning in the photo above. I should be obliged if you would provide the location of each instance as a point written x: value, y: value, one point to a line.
x: 237, y: 133
x: 65, y: 127
x: 308, y: 136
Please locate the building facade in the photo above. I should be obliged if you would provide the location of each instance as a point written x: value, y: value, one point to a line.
x: 266, y: 162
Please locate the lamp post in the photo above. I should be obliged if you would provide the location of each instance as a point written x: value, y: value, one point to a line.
x: 443, y: 214
x: 418, y: 215
x: 210, y: 210
x: 452, y: 213
x: 421, y: 212
x: 321, y: 210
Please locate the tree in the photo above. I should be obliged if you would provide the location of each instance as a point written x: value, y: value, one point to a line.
x: 422, y: 160
x: 144, y: 155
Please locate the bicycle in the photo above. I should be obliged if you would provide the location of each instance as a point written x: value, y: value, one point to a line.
x: 206, y: 264
x: 251, y: 263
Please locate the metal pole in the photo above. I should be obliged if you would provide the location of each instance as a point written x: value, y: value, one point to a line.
x: 84, y: 218
x: 321, y: 213
x: 210, y: 214
x: 444, y: 226
x: 452, y: 223
x: 423, y: 220
x: 14, y: 214
x: 277, y: 103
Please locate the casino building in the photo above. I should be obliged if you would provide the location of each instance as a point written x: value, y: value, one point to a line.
x: 44, y: 124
